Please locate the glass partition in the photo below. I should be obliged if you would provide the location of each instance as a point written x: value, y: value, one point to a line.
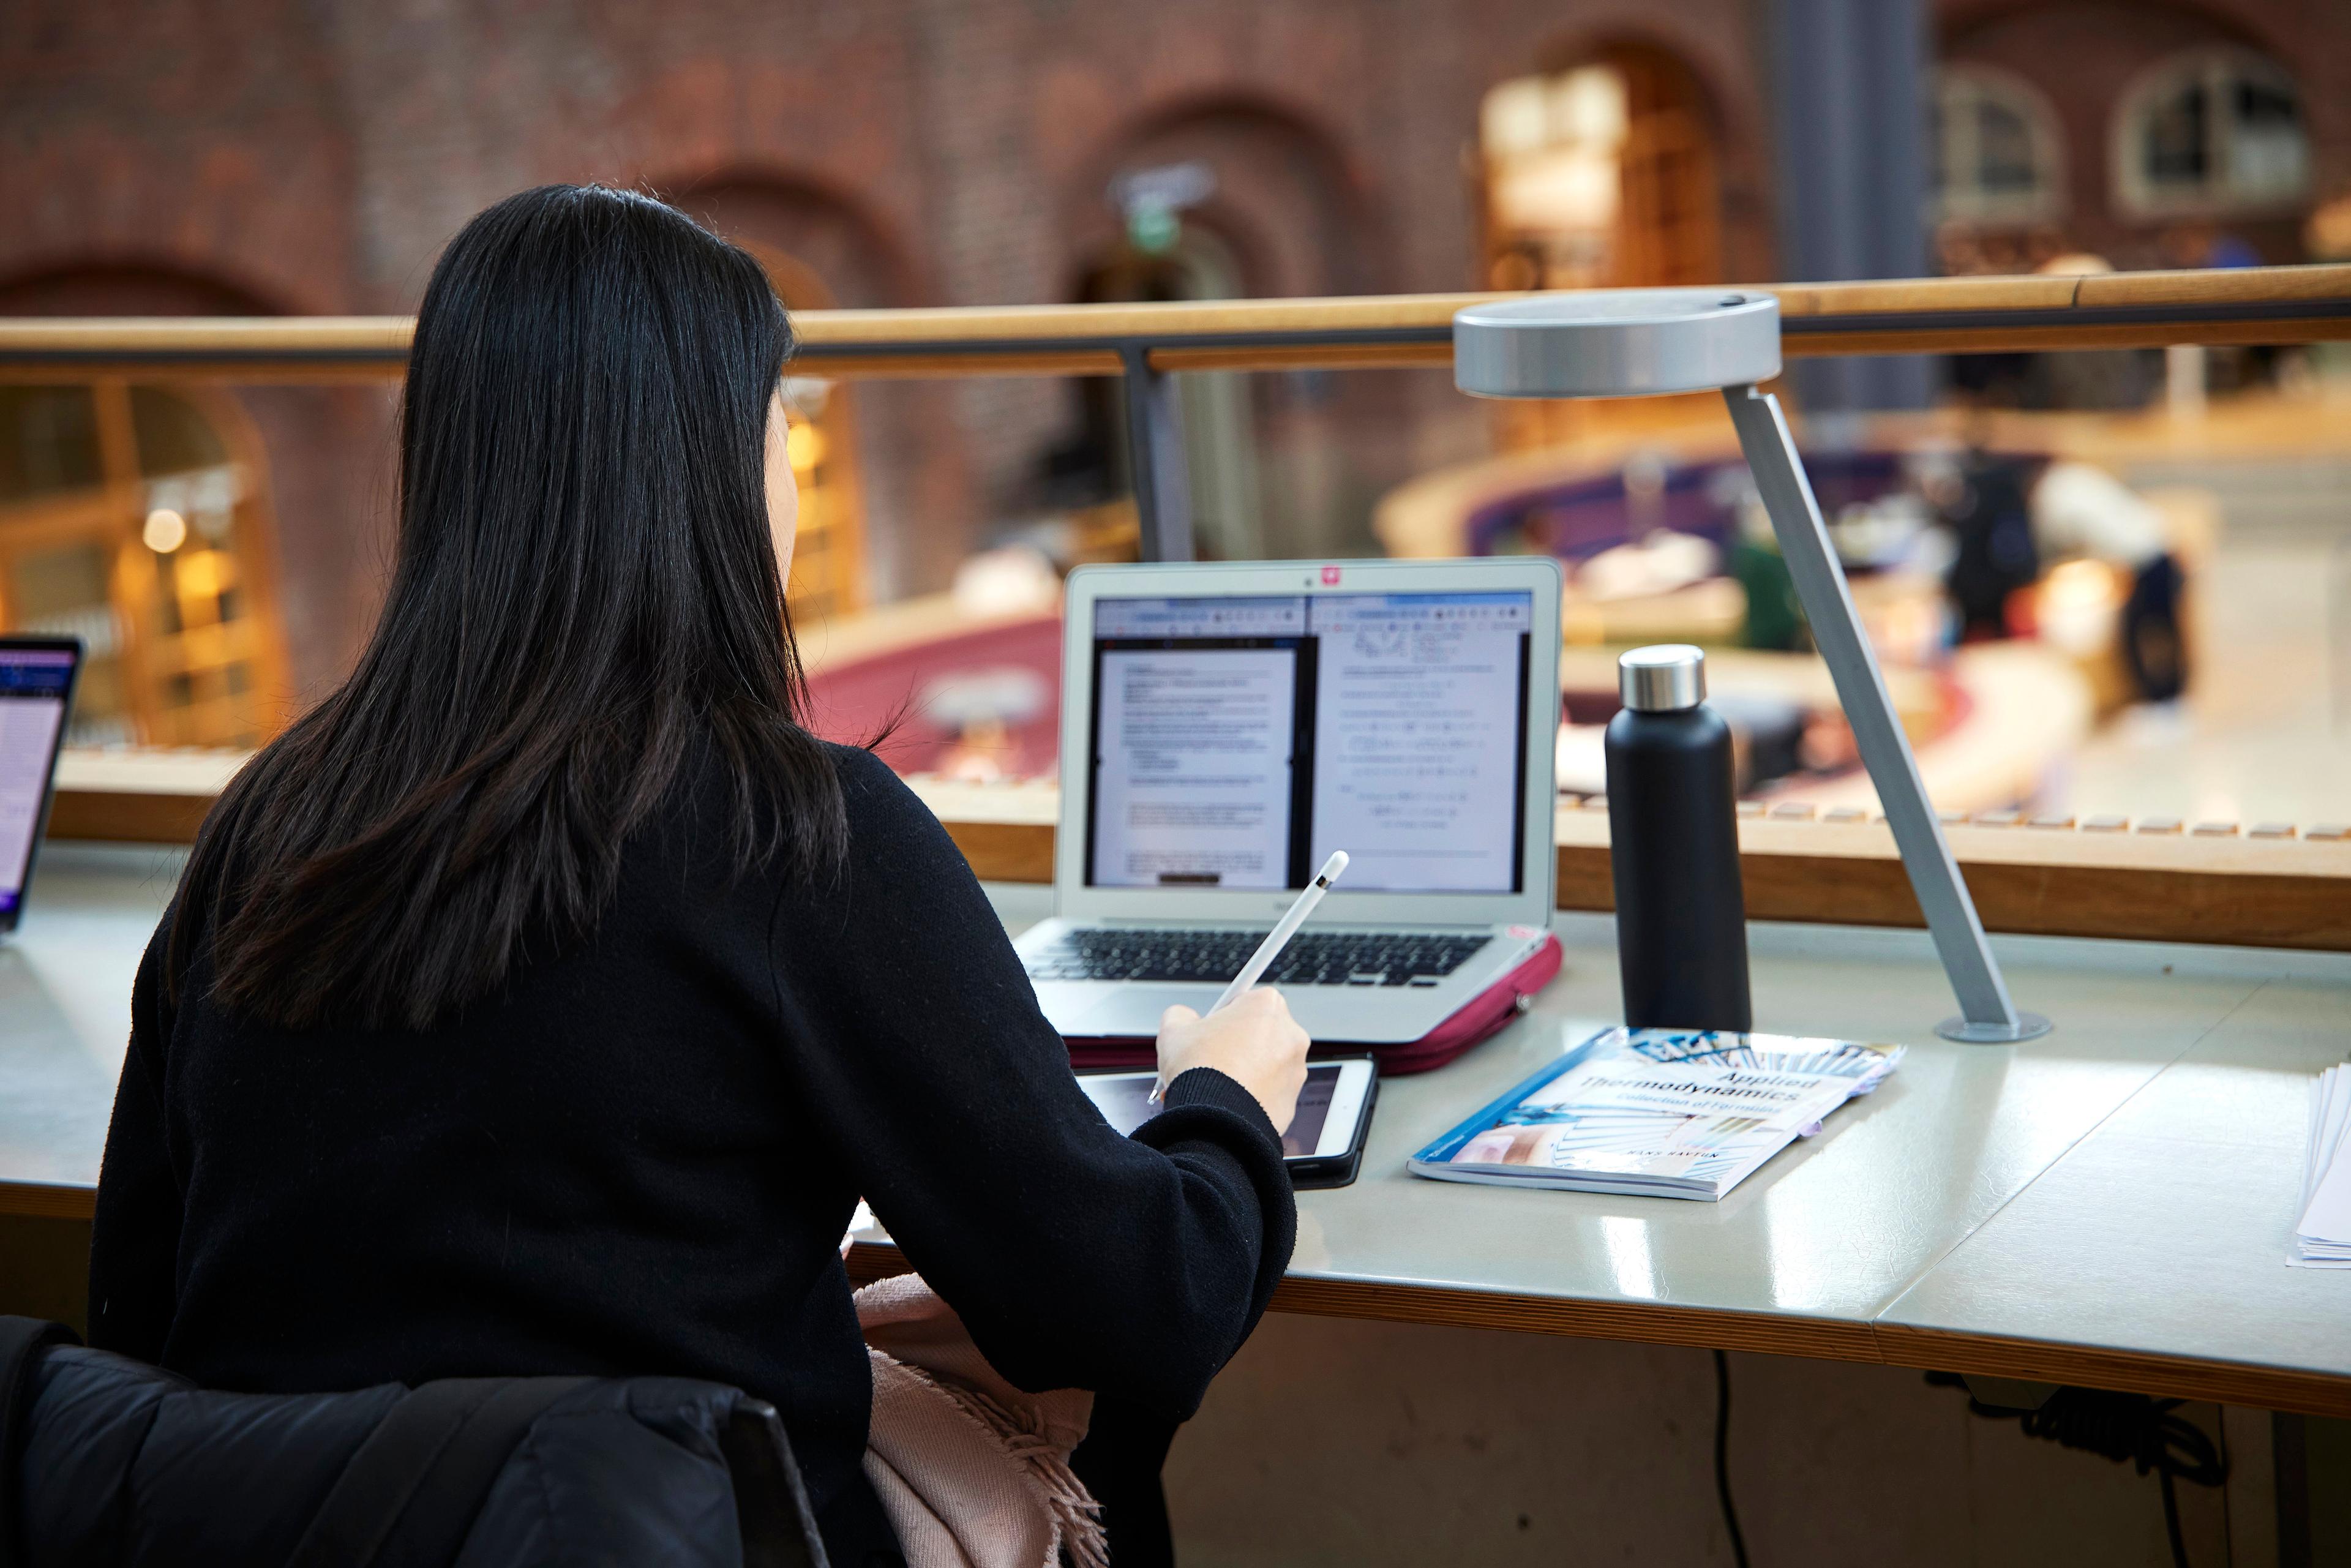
x: 2106, y: 584
x: 137, y: 518
x: 2110, y: 584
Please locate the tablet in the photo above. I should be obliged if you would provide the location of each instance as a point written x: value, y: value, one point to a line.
x: 1325, y: 1141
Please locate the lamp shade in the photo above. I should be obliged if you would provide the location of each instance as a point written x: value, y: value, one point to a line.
x: 1616, y: 342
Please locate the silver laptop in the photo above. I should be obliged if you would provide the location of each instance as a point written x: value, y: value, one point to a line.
x: 1224, y: 728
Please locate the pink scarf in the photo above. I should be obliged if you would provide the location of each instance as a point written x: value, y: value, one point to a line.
x: 973, y: 1472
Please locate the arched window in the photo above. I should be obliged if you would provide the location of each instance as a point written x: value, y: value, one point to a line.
x: 2215, y: 132
x: 1182, y: 260
x: 133, y: 518
x: 1603, y: 171
x: 1226, y: 195
x: 1997, y: 154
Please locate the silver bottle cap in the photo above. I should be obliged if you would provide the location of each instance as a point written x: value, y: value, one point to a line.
x: 1662, y: 677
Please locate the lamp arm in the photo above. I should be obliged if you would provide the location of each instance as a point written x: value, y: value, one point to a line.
x: 1987, y: 1014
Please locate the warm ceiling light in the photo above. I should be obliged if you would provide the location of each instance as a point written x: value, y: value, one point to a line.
x: 166, y: 530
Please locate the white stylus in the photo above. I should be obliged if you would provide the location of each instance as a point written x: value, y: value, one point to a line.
x: 1276, y: 939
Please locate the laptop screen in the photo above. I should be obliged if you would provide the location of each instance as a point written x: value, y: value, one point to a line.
x: 1237, y: 741
x: 34, y: 685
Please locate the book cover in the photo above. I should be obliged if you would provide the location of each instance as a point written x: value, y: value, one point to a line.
x: 1675, y: 1112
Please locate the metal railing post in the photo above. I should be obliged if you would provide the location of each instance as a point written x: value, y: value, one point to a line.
x: 1987, y: 1014
x: 1154, y: 444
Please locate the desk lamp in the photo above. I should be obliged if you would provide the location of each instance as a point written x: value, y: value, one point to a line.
x: 1642, y: 342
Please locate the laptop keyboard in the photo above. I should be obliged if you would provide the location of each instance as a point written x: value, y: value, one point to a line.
x: 1213, y: 957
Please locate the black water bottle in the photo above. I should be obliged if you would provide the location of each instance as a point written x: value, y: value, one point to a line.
x: 1673, y: 848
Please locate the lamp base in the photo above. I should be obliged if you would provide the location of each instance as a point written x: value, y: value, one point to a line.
x: 1967, y: 1031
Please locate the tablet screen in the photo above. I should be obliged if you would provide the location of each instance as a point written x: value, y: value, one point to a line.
x: 1124, y: 1099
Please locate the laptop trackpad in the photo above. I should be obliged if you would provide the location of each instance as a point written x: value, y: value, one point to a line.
x: 1133, y: 1011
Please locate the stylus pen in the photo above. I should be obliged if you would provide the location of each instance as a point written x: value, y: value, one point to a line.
x: 1276, y: 939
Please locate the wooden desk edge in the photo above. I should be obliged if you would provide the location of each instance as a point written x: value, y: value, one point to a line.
x: 1823, y: 1339
x: 1645, y: 1323
x: 44, y: 1200
x: 2246, y: 1384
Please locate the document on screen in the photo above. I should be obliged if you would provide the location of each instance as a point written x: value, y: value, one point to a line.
x: 28, y: 731
x: 1416, y: 741
x: 1192, y: 778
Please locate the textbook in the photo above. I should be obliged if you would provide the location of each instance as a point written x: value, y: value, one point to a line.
x: 1658, y: 1112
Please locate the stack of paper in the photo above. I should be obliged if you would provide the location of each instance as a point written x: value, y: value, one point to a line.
x: 2323, y: 1238
x: 1663, y: 1113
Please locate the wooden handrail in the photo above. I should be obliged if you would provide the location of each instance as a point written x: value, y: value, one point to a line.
x: 2250, y: 304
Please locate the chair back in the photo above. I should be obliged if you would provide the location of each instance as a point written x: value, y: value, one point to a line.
x: 103, y: 1458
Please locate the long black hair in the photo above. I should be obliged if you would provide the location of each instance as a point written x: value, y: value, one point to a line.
x: 585, y: 594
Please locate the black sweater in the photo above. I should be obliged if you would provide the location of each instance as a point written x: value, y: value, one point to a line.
x: 640, y: 1158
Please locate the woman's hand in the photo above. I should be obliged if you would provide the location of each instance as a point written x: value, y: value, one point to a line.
x: 1255, y: 1042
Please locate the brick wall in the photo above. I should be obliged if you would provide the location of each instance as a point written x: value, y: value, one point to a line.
x: 2086, y: 56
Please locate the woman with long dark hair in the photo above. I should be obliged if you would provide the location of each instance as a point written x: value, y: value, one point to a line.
x: 544, y: 1000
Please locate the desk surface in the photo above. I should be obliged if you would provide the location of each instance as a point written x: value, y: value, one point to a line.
x: 2110, y: 1205
x: 64, y: 1014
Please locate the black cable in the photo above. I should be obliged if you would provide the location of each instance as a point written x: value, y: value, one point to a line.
x: 2228, y: 1518
x: 1722, y: 1457
x: 2171, y: 1519
x: 2124, y: 1428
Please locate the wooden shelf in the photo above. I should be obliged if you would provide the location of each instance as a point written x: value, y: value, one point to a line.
x: 2232, y: 891
x: 2226, y: 889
